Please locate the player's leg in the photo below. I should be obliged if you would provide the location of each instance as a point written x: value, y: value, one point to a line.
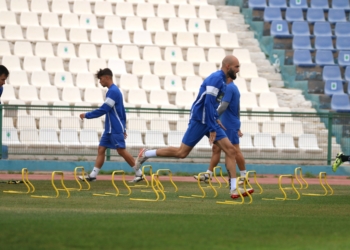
x: 100, y: 159
x: 339, y: 159
x: 214, y: 161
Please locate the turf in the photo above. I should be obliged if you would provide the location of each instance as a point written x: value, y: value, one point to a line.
x: 88, y: 222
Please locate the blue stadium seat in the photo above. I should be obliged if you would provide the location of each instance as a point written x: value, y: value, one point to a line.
x: 300, y: 28
x: 298, y: 4
x: 301, y: 42
x: 342, y: 43
x: 324, y: 57
x: 342, y: 29
x: 278, y: 3
x: 322, y: 29
x: 271, y: 14
x: 341, y: 4
x: 257, y: 4
x: 302, y: 58
x: 324, y: 42
x: 347, y: 74
x: 340, y: 102
x: 280, y: 29
x: 336, y: 16
x: 294, y: 14
x: 344, y: 58
x: 319, y: 4
x: 331, y: 73
x: 333, y: 87
x: 315, y: 15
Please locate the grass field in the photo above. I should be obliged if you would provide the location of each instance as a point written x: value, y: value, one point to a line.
x: 88, y: 222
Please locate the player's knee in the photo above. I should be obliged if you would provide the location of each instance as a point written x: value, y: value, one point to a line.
x: 182, y: 154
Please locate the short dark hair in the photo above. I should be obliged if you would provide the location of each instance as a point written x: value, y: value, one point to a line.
x: 4, y: 70
x: 104, y: 72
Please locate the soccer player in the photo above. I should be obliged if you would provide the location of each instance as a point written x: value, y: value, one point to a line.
x: 339, y: 159
x: 229, y: 111
x: 204, y: 121
x: 4, y: 73
x: 115, y: 132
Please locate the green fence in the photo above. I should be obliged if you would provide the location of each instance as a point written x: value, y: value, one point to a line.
x: 57, y: 131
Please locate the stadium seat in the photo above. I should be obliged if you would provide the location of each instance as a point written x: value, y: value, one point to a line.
x: 44, y: 49
x: 130, y: 53
x: 163, y: 69
x: 16, y: 112
x: 10, y: 137
x: 94, y: 124
x: 278, y: 4
x: 145, y: 10
x: 245, y: 143
x: 243, y: 55
x: 99, y: 36
x: 28, y: 19
x: 66, y: 50
x: 259, y: 117
x: 331, y: 73
x: 128, y: 81
x: 85, y: 80
x: 87, y: 51
x: 333, y: 87
x: 8, y: 18
x: 257, y: 4
x: 184, y: 69
x: 159, y: 97
x: 187, y: 11
x: 19, y: 6
x: 69, y: 122
x: 48, y: 20
x: 336, y: 15
x: 163, y: 39
x: 112, y: 23
x: 143, y: 38
x: 216, y: 55
x: 160, y: 124
x: 268, y: 100
x: 198, y: 2
x: 8, y: 94
x: 70, y: 139
x: 124, y: 9
x: 117, y: 66
x: 340, y: 4
x: 35, y: 33
x: 344, y: 58
x: 271, y: 127
x: 18, y: 78
x: 315, y: 15
x: 141, y: 67
x: 279, y: 28
x: 295, y: 128
x: 7, y: 122
x: 57, y: 34
x: 324, y: 42
x: 49, y: 122
x: 78, y: 65
x: 340, y: 102
x: 137, y: 97
x: 248, y: 70
x: 154, y: 139
x: 63, y: 79
x: 342, y: 43
x: 347, y: 73
x: 150, y: 82
x: 298, y: 4
x: 103, y: 9
x: 173, y: 84
x: 184, y: 99
x: 108, y: 51
x: 195, y: 55
x: 272, y: 14
x: 240, y: 83
x: 300, y: 29
x: 89, y: 138
x: 13, y: 33
x: 229, y: 41
x: 196, y: 25
x: 175, y: 137
x: 155, y: 24
x: 12, y: 63
x: 166, y: 11
x: 49, y: 94
x: 61, y: 109
x: 70, y: 20
x: 206, y: 69
x: 60, y: 6
x: 30, y: 138
x: 134, y: 139
x: 78, y: 35
x: 285, y: 143
x: 32, y: 63
x: 38, y: 112
x: 137, y: 124
x: 322, y: 29
x: 263, y: 142
x: 173, y: 54
x: 71, y: 95
x: 192, y: 83
x: 39, y: 6
x: 120, y: 37
x: 294, y: 14
x: 207, y: 12
x: 302, y: 58
x: 26, y: 122
x: 342, y: 29
x: 133, y: 24
x: 40, y: 78
x: 308, y: 143
x: 322, y: 4
x: 22, y: 49
x: 324, y: 57
x: 301, y: 42
x: 152, y: 53
x: 176, y: 25
x: 48, y: 137
x: 259, y: 85
x: 248, y: 100
x: 5, y: 48
x: 283, y: 118
x: 218, y: 26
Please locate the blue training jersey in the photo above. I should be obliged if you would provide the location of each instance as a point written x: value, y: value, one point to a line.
x: 209, y: 97
x: 113, y: 108
x: 230, y: 117
x: 1, y: 90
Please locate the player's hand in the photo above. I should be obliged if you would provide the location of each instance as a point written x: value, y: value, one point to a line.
x: 240, y: 134
x: 220, y: 124
x: 125, y: 135
x: 82, y: 116
x: 212, y: 136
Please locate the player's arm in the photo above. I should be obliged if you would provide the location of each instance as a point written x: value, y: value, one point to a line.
x: 104, y: 109
x: 223, y: 106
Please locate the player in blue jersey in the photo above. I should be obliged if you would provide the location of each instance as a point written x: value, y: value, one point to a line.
x: 229, y: 112
x: 204, y: 119
x: 115, y: 130
x: 4, y: 73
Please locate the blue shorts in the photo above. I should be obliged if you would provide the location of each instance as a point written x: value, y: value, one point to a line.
x: 113, y: 141
x: 232, y: 135
x: 197, y: 130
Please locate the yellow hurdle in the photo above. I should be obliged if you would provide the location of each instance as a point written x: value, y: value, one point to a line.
x: 156, y: 189
x: 255, y: 180
x: 170, y: 178
x: 54, y: 186
x: 230, y: 202
x: 301, y: 180
x: 117, y: 192
x: 78, y: 181
x: 285, y: 188
x: 29, y: 185
x: 144, y: 177
x: 201, y: 188
x: 215, y: 177
x: 322, y: 176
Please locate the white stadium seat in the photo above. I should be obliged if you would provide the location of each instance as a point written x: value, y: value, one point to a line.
x: 71, y: 95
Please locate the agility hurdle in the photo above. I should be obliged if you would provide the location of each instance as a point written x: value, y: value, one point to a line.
x: 156, y: 189
x: 201, y: 188
x: 255, y: 180
x: 117, y: 192
x: 54, y: 186
x: 283, y: 189
x: 301, y: 180
x: 144, y: 177
x: 160, y: 185
x: 29, y: 185
x: 230, y: 202
x: 324, y: 175
x: 77, y: 180
x: 215, y: 177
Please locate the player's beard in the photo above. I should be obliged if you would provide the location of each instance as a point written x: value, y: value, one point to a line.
x: 231, y: 74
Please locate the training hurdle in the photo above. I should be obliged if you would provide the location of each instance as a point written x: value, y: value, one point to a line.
x: 215, y: 177
x: 230, y: 202
x: 29, y: 185
x: 117, y: 192
x: 77, y: 180
x: 156, y: 189
x: 322, y: 176
x: 298, y: 174
x: 144, y: 177
x: 255, y: 180
x: 285, y: 188
x: 54, y: 186
x: 201, y: 188
x: 160, y: 185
